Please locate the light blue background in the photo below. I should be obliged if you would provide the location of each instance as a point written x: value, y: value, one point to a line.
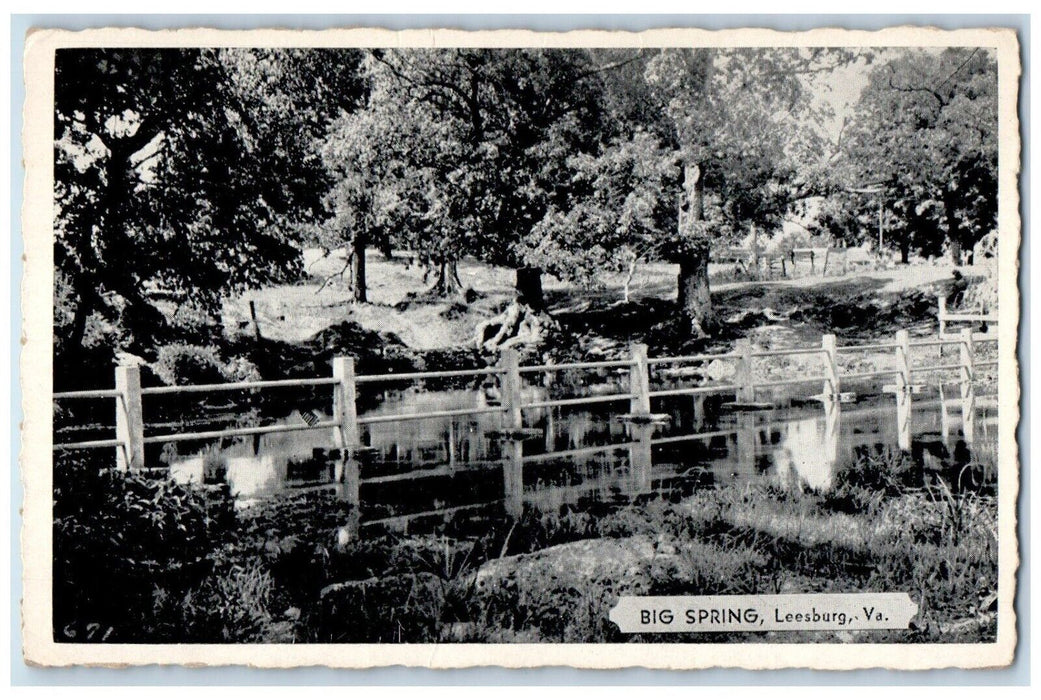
x: 1018, y: 674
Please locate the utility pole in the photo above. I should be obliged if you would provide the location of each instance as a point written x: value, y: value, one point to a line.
x: 880, y: 225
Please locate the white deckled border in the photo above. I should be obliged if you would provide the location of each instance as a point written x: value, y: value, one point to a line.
x: 36, y: 370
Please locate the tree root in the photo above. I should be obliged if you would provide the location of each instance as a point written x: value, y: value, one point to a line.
x: 517, y: 325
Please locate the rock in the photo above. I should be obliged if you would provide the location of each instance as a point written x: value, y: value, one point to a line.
x: 460, y: 632
x: 624, y: 561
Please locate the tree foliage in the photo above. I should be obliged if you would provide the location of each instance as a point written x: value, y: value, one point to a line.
x: 472, y: 144
x: 706, y: 143
x: 925, y: 129
x: 179, y: 175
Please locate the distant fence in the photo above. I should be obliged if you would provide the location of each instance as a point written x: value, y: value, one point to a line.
x: 818, y: 259
x: 944, y: 317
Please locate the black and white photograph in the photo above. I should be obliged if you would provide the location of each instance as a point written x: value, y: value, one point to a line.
x: 507, y: 345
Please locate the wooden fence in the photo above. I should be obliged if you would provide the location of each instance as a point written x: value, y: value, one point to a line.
x: 128, y: 394
x: 744, y: 385
x: 945, y: 317
x: 817, y: 259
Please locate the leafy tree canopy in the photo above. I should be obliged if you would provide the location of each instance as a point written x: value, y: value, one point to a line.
x: 925, y: 130
x: 179, y: 174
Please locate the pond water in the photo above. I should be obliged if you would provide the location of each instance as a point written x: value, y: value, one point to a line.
x: 429, y: 469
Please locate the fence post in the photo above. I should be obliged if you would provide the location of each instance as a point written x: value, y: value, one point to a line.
x: 130, y: 422
x: 640, y: 452
x: 968, y: 391
x: 345, y: 411
x: 831, y: 397
x: 903, y: 389
x: 509, y: 364
x: 639, y: 381
x: 513, y: 422
x: 743, y: 374
x: 347, y: 438
x: 831, y: 367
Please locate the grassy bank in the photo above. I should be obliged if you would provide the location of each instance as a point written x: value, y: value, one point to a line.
x: 192, y: 568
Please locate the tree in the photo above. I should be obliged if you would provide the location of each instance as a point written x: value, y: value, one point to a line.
x: 376, y: 191
x: 706, y: 144
x: 620, y: 212
x: 746, y: 130
x: 179, y: 175
x: 925, y: 128
x: 488, y: 134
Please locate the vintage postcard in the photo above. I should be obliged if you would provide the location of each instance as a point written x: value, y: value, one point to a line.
x: 675, y: 349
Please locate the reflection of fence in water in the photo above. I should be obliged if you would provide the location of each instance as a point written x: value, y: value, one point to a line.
x: 505, y: 417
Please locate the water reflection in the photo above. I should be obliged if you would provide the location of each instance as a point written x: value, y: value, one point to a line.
x: 438, y: 465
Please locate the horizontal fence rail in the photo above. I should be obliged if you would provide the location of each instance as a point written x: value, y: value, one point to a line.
x: 692, y: 358
x: 89, y: 444
x: 238, y: 432
x: 412, y: 376
x: 580, y: 401
x: 237, y: 386
x: 943, y: 316
x: 599, y: 364
x: 695, y: 390
x: 449, y: 413
x: 91, y: 394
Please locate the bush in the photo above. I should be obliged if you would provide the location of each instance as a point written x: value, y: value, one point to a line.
x: 181, y: 363
x: 863, y: 483
x: 121, y: 543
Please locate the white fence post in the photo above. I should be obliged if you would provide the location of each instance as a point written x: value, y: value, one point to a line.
x: 345, y: 411
x: 347, y: 438
x: 640, y: 452
x: 130, y: 423
x: 831, y: 400
x: 903, y: 389
x: 511, y: 389
x: 968, y: 391
x: 513, y: 423
x: 639, y: 381
x: 743, y: 372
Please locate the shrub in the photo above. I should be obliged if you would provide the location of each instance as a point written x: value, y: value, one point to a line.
x: 122, y: 541
x: 877, y: 474
x: 192, y: 319
x: 181, y: 363
x: 239, y: 369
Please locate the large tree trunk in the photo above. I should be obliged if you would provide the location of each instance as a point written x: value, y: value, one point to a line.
x: 905, y: 251
x: 358, y: 285
x: 448, y: 283
x: 694, y: 303
x: 529, y: 288
x: 956, y: 250
x: 694, y: 300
